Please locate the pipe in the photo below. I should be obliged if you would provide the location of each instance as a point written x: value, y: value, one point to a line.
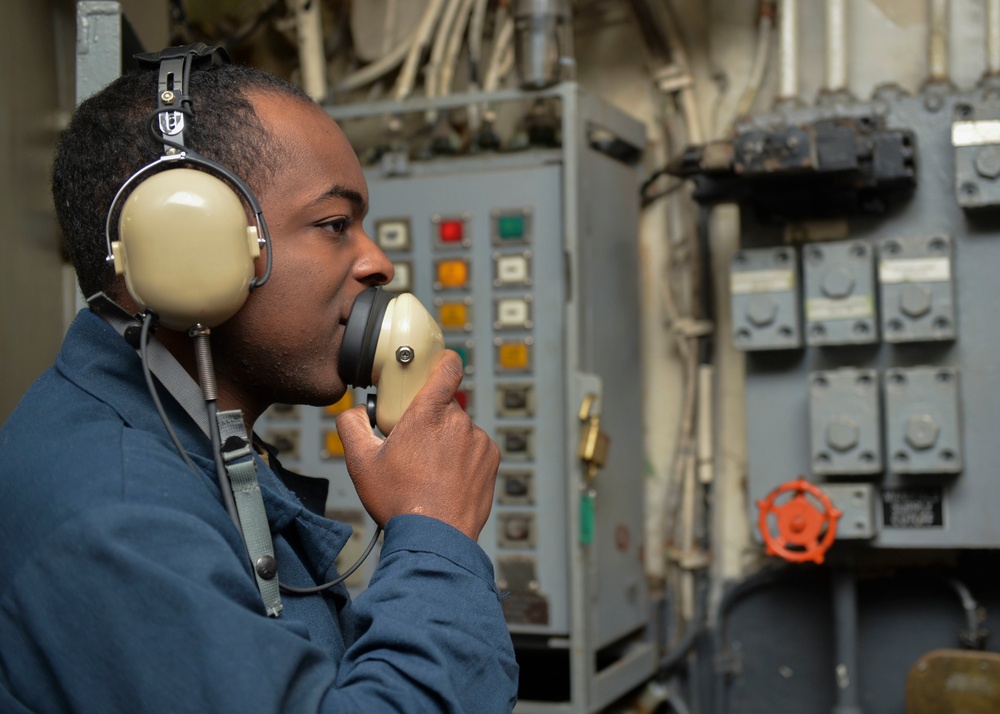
x: 937, y: 53
x: 765, y: 26
x: 543, y: 42
x: 993, y: 37
x: 312, y: 56
x: 845, y: 635
x: 788, y: 49
x: 836, y: 45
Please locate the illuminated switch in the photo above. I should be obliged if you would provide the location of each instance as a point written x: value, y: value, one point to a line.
x: 517, y: 530
x: 333, y: 447
x: 451, y: 231
x: 464, y: 397
x: 511, y: 226
x: 513, y: 312
x: 453, y: 315
x: 515, y: 443
x: 512, y: 270
x: 514, y: 355
x: 402, y: 281
x: 465, y: 352
x: 516, y: 487
x: 452, y: 274
x: 393, y: 235
x: 515, y: 400
x: 345, y: 403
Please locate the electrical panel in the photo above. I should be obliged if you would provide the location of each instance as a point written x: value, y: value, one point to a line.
x: 895, y: 360
x: 862, y: 295
x: 528, y: 261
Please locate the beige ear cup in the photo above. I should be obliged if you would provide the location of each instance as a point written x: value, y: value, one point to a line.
x: 185, y: 248
x: 409, y: 345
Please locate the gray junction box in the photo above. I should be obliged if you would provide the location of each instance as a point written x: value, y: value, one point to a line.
x: 928, y: 419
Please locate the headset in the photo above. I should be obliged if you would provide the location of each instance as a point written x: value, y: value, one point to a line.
x: 184, y: 243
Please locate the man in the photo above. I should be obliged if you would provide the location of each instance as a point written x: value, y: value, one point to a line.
x: 126, y: 587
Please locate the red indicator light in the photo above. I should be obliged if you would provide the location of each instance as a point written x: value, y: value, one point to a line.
x: 462, y: 397
x: 450, y: 231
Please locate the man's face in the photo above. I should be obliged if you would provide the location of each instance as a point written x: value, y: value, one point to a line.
x: 283, y: 346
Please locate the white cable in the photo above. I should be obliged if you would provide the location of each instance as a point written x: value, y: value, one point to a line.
x: 500, y: 48
x: 788, y: 28
x: 937, y: 52
x: 689, y: 99
x: 836, y: 45
x: 382, y: 66
x: 764, y: 27
x: 476, y: 37
x: 993, y: 36
x: 440, y: 42
x: 454, y: 46
x: 408, y: 75
x: 506, y: 62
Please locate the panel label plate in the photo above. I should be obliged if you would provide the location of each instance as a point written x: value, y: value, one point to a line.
x: 915, y: 270
x: 762, y: 281
x: 849, y: 308
x: 913, y: 508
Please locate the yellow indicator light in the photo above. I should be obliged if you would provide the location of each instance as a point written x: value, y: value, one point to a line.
x: 333, y: 447
x: 453, y: 315
x: 453, y: 273
x: 513, y: 355
x: 345, y: 403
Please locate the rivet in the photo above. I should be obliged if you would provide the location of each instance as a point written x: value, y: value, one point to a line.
x: 266, y: 567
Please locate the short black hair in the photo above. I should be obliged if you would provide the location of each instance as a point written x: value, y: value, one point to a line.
x: 108, y: 139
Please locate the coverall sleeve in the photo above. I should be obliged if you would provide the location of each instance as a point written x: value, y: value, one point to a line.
x: 139, y: 608
x: 429, y: 624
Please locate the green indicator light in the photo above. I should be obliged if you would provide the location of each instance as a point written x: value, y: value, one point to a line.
x: 510, y: 227
x: 463, y: 352
x: 586, y: 519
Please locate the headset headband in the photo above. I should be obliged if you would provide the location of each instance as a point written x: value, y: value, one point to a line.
x: 173, y: 101
x: 173, y: 105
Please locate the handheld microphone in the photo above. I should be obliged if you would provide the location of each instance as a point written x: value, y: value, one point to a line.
x: 390, y: 342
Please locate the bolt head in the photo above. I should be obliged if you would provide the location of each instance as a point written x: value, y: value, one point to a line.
x: 168, y: 97
x: 922, y: 431
x: 404, y: 354
x: 988, y: 162
x: 915, y: 300
x: 761, y: 310
x: 838, y: 283
x: 842, y: 434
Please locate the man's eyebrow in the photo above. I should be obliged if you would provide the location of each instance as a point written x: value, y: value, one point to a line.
x: 337, y: 191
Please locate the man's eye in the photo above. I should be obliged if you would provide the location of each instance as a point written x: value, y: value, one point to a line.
x: 337, y: 225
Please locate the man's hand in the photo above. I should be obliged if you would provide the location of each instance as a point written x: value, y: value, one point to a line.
x: 435, y: 463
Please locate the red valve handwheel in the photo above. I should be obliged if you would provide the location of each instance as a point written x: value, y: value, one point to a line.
x: 801, y: 535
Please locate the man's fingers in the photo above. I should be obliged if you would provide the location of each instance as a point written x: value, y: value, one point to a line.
x: 356, y: 432
x: 443, y: 381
